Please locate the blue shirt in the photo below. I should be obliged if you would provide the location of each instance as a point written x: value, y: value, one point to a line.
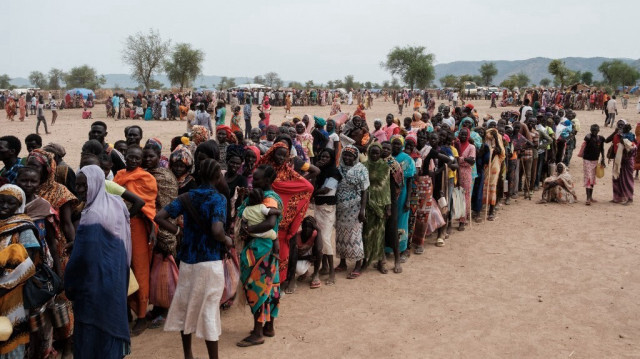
x: 11, y: 173
x: 247, y: 112
x: 196, y: 246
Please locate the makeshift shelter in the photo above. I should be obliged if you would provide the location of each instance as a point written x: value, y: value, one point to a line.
x: 579, y: 87
x: 84, y: 92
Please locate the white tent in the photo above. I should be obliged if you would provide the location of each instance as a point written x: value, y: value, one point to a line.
x: 249, y: 86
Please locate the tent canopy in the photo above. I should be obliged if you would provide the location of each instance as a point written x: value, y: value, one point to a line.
x: 249, y: 86
x: 84, y: 92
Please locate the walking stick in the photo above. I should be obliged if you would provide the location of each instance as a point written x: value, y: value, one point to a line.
x: 526, y: 182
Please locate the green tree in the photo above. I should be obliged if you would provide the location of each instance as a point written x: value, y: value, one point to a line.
x: 412, y: 64
x: 515, y: 80
x: 38, y: 79
x: 338, y: 83
x: 616, y: 73
x: 395, y: 84
x: 560, y: 72
x: 84, y: 76
x: 231, y: 82
x: 545, y: 82
x: 488, y: 71
x: 522, y: 80
x: 385, y: 84
x: 309, y: 84
x: 259, y: 80
x: 56, y: 77
x: 330, y: 84
x: 587, y: 78
x: 296, y: 85
x: 223, y: 83
x: 156, y: 85
x: 349, y: 82
x: 272, y: 79
x: 5, y: 81
x: 184, y: 65
x: 449, y: 80
x: 368, y: 85
x: 145, y: 54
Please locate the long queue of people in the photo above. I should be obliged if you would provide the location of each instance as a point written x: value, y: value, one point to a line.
x: 273, y: 204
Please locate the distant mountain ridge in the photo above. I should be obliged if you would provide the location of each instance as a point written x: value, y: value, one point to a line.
x: 535, y: 68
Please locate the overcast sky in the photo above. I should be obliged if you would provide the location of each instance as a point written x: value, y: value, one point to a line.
x: 318, y: 40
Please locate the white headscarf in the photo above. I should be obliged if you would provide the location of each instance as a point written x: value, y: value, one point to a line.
x: 17, y: 192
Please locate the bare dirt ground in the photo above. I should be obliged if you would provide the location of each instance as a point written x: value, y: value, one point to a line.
x: 542, y: 281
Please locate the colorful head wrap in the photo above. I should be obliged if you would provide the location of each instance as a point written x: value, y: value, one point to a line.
x: 375, y: 144
x: 44, y: 158
x: 182, y: 154
x: 256, y: 151
x: 199, y: 134
x: 412, y: 137
x: 320, y: 121
x: 397, y: 137
x: 56, y: 149
x: 469, y: 106
x: 231, y: 138
x: 352, y: 150
x: 17, y: 193
x: 155, y: 142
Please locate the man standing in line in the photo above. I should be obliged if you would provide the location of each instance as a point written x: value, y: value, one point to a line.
x: 612, y: 110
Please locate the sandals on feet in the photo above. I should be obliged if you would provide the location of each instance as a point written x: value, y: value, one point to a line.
x: 354, y: 274
x: 315, y: 284
x: 419, y: 250
x: 440, y: 242
x: 249, y: 341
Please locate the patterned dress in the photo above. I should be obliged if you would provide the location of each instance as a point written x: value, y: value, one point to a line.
x: 355, y: 179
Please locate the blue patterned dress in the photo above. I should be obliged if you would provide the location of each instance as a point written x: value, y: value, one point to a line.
x: 355, y: 179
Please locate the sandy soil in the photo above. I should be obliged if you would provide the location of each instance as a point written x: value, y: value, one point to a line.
x: 543, y: 281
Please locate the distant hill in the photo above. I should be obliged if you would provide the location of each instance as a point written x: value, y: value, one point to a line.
x: 535, y: 68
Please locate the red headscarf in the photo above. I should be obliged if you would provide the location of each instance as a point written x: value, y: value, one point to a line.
x: 231, y: 137
x: 256, y: 151
x: 465, y: 144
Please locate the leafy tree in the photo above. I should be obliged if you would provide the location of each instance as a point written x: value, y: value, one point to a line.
x: 156, y: 85
x: 145, y: 54
x: 515, y: 80
x: 38, y: 79
x: 309, y: 84
x: 56, y: 76
x: 368, y: 85
x: 560, y: 72
x: 5, y: 81
x: 545, y: 82
x: 449, y: 80
x: 385, y: 84
x: 296, y: 85
x: 272, y: 79
x: 412, y: 64
x: 226, y: 82
x: 349, y: 82
x: 587, y: 78
x: 338, y: 83
x: 395, y: 84
x: 184, y: 65
x: 488, y: 71
x: 259, y: 80
x: 330, y: 84
x: 231, y: 82
x: 84, y: 76
x: 616, y: 73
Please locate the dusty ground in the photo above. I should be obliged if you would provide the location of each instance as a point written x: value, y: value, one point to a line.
x: 543, y: 281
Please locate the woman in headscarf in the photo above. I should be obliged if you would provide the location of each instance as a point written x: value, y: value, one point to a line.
x: 335, y: 106
x: 10, y: 108
x: 429, y: 165
x: 466, y: 160
x: 97, y: 274
x: 251, y: 158
x: 64, y: 173
x: 225, y: 137
x: 143, y: 230
x: 324, y: 208
x: 559, y: 188
x: 295, y: 192
x: 378, y: 207
x: 181, y: 164
x: 60, y: 198
x: 396, y: 181
x: 622, y: 168
x: 351, y: 203
x: 417, y: 123
x: 266, y: 109
x: 163, y: 161
x: 18, y: 243
x: 409, y: 170
x: 305, y: 139
x: 492, y: 170
x: 166, y: 242
x: 360, y: 113
x: 22, y: 105
x: 259, y: 273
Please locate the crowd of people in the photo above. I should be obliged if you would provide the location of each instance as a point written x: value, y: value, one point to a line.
x: 274, y: 202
